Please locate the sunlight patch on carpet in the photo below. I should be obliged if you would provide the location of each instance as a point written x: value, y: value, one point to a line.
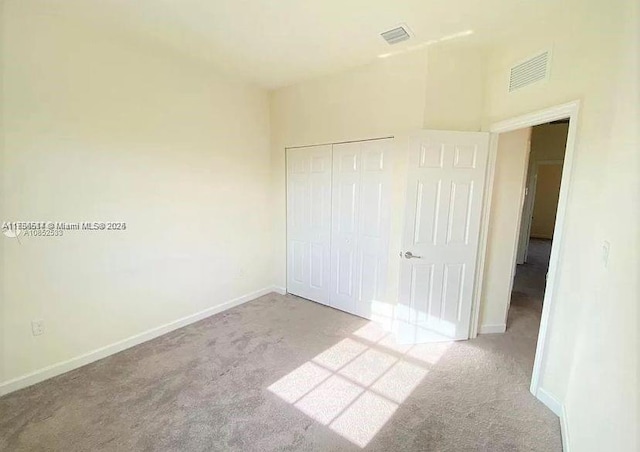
x: 355, y: 386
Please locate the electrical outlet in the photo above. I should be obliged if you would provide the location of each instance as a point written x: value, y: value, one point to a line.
x: 37, y: 327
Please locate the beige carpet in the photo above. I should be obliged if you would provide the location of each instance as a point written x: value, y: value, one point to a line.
x: 281, y: 373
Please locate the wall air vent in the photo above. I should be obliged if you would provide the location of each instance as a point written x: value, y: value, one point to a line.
x: 396, y: 35
x: 529, y: 71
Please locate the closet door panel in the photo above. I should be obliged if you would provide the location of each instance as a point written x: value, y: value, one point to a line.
x: 373, y: 228
x: 309, y: 222
x: 344, y: 229
x: 360, y: 225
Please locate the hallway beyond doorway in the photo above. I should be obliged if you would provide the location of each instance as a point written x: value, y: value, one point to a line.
x: 527, y: 295
x: 530, y: 279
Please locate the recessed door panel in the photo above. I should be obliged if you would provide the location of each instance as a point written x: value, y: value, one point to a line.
x: 427, y: 211
x: 371, y: 211
x: 431, y: 155
x: 344, y: 272
x: 319, y: 204
x: 348, y: 161
x: 422, y: 292
x: 465, y: 156
x: 346, y: 206
x: 373, y: 159
x: 452, y: 292
x: 460, y: 204
x: 318, y: 273
x: 298, y: 201
x: 369, y: 277
x: 299, y: 257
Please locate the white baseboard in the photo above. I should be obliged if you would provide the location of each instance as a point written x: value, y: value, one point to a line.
x: 280, y: 290
x: 102, y: 352
x: 564, y: 430
x: 492, y: 329
x: 550, y: 401
x: 558, y: 408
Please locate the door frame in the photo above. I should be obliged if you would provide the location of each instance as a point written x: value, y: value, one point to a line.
x: 568, y: 110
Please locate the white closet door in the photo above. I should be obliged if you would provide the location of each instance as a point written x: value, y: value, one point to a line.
x: 360, y: 225
x: 309, y: 222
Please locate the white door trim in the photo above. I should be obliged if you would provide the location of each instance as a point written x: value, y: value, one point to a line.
x: 484, y: 235
x: 569, y: 110
x: 390, y: 137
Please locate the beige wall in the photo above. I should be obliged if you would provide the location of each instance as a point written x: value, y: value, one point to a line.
x: 607, y: 344
x: 101, y: 127
x: 506, y: 208
x: 592, y: 349
x: 134, y: 131
x: 545, y: 204
x: 454, y: 91
x: 548, y: 142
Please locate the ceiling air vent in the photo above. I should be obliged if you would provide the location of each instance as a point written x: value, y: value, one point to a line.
x: 396, y: 35
x: 530, y: 71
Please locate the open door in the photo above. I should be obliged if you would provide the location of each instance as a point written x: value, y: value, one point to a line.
x: 440, y: 243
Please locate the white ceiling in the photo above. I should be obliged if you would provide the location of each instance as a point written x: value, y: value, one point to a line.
x: 276, y: 43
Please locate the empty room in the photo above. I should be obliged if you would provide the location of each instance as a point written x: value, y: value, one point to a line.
x: 320, y: 226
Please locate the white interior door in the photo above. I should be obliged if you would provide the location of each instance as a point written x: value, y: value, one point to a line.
x: 309, y: 222
x: 442, y: 227
x: 360, y: 225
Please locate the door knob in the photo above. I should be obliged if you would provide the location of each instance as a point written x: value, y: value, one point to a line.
x: 410, y: 255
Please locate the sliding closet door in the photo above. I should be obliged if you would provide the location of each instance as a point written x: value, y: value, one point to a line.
x: 360, y: 225
x: 309, y: 222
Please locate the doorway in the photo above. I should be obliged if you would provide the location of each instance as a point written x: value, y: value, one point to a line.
x: 544, y: 174
x: 563, y: 113
x: 547, y: 146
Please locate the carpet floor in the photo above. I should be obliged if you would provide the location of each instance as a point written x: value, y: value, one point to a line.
x: 284, y: 374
